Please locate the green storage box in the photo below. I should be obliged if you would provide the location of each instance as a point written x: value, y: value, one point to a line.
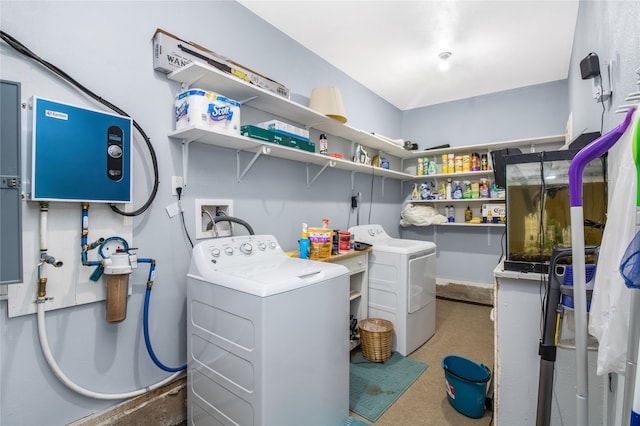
x: 255, y: 132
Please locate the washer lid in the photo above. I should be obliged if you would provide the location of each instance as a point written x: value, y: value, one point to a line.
x: 398, y: 245
x: 376, y: 235
x: 267, y: 278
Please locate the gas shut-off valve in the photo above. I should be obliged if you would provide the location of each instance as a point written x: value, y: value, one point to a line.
x: 117, y: 269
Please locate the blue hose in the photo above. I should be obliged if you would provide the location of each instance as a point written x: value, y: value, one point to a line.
x: 147, y: 341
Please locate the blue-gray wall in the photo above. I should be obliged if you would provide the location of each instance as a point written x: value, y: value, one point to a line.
x: 471, y: 254
x: 529, y: 112
x: 106, y: 45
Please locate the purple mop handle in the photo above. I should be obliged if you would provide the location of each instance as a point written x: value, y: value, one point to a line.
x: 594, y: 150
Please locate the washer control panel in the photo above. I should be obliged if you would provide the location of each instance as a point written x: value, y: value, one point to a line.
x: 231, y: 251
x: 369, y: 233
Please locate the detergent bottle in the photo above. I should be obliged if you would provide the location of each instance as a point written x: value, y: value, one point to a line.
x: 415, y: 194
x: 468, y: 214
x: 425, y: 191
x: 457, y: 192
x: 304, y: 242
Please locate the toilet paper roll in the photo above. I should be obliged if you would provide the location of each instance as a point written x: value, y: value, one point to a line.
x: 205, y: 108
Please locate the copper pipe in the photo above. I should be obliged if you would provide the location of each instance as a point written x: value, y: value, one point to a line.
x: 42, y: 287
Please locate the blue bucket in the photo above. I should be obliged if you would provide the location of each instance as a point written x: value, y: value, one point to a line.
x: 466, y: 385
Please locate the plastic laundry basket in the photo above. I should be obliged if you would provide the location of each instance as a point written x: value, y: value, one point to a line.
x: 466, y: 385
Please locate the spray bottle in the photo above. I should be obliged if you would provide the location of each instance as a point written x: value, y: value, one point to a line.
x: 304, y: 242
x: 415, y: 194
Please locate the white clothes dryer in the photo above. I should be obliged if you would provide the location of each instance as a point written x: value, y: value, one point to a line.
x: 402, y: 285
x: 267, y: 336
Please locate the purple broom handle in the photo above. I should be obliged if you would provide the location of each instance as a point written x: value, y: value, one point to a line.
x: 594, y: 150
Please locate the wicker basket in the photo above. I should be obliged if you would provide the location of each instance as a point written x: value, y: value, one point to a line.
x: 376, y: 335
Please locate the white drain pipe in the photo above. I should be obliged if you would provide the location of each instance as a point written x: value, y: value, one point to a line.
x: 42, y: 329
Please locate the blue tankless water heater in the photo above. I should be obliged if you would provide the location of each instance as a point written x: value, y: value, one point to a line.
x: 79, y: 154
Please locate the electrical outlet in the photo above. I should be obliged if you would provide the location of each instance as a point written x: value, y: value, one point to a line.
x: 176, y: 182
x: 205, y: 211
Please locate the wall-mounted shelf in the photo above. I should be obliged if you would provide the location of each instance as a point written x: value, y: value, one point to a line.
x: 210, y: 136
x: 455, y: 176
x: 456, y: 201
x: 204, y: 76
x: 476, y: 225
x: 533, y: 143
x: 197, y: 74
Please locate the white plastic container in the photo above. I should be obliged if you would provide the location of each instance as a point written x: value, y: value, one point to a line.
x: 210, y: 109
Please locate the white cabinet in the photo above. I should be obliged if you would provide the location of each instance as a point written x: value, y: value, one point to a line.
x: 209, y: 78
x: 518, y: 305
x: 357, y: 262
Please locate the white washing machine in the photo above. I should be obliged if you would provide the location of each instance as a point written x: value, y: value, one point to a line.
x: 267, y: 336
x: 402, y: 285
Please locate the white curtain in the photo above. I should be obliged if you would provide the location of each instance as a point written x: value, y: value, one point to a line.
x: 609, y: 315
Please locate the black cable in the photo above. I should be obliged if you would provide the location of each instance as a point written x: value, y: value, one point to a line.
x: 542, y: 285
x: 603, y: 107
x: 231, y: 219
x: 184, y: 225
x: 23, y: 50
x: 371, y: 203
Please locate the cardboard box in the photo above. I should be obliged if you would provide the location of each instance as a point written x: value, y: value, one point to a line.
x: 285, y: 129
x: 171, y: 53
x: 493, y: 213
x: 256, y: 132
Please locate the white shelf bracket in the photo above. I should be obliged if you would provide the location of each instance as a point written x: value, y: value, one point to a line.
x: 330, y: 163
x: 353, y: 176
x: 185, y: 160
x: 245, y: 101
x: 187, y: 84
x: 382, y: 190
x: 263, y: 150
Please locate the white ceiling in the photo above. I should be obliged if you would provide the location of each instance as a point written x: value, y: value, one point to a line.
x: 392, y: 47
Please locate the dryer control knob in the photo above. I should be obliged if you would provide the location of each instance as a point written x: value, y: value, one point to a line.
x: 273, y: 245
x: 228, y: 251
x: 262, y: 246
x: 215, y: 252
x: 246, y: 248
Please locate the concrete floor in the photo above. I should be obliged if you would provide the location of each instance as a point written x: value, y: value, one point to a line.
x: 462, y: 329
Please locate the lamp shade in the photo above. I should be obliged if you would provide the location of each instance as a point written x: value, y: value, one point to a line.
x: 328, y: 101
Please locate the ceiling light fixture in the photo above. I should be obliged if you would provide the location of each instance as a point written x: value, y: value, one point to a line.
x: 444, y: 61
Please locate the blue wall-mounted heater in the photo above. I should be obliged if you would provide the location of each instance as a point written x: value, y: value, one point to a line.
x: 79, y: 154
